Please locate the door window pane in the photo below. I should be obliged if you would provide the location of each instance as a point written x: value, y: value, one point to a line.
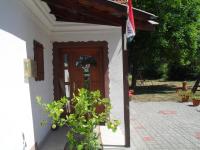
x: 67, y: 90
x: 65, y: 60
x: 85, y: 62
x: 66, y: 75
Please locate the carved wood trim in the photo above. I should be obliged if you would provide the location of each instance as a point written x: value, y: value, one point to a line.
x: 39, y: 59
x: 57, y: 49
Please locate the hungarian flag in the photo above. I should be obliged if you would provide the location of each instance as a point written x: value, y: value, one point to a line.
x: 130, y: 22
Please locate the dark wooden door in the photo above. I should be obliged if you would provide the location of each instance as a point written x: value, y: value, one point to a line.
x: 68, y: 76
x: 95, y: 74
x: 72, y: 75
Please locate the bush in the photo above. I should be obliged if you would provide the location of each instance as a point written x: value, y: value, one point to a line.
x: 180, y: 73
x: 83, y: 119
x: 154, y: 71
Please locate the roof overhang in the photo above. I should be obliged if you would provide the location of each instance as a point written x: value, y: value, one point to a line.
x: 103, y: 12
x: 87, y: 15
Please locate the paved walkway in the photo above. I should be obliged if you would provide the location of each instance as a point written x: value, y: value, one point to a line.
x: 164, y: 126
x: 154, y: 126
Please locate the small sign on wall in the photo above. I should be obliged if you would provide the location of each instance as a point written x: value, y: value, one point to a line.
x: 29, y: 68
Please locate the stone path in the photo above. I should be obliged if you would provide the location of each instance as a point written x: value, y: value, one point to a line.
x: 164, y: 126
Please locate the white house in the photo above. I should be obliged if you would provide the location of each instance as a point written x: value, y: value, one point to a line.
x: 64, y: 30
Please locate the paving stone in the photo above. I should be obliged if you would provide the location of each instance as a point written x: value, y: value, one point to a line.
x: 156, y: 126
x: 164, y: 126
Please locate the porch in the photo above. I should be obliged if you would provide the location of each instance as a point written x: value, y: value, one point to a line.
x: 162, y: 126
x: 56, y: 140
x: 25, y: 21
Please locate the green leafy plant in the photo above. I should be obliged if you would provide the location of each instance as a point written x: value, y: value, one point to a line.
x: 196, y: 99
x: 196, y: 96
x: 83, y: 119
x: 184, y: 93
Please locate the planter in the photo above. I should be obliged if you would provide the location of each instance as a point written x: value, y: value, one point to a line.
x: 184, y: 94
x: 195, y: 102
x: 78, y: 137
x: 185, y: 99
x: 67, y: 147
x: 81, y: 119
x: 184, y: 86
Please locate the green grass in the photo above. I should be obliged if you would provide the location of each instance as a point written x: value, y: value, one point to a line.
x: 158, y: 90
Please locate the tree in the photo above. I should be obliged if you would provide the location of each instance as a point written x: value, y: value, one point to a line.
x: 176, y: 41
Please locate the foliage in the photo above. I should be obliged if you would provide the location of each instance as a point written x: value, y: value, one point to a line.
x: 83, y: 119
x: 180, y: 73
x: 175, y: 42
x: 196, y: 96
x: 184, y: 93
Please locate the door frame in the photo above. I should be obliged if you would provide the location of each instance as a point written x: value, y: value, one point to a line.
x: 57, y: 50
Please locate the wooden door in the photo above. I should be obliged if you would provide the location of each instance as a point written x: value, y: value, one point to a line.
x: 94, y: 78
x: 71, y: 77
x: 68, y: 77
x: 74, y: 75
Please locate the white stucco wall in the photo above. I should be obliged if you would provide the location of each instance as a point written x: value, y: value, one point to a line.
x: 20, y: 115
x: 113, y: 37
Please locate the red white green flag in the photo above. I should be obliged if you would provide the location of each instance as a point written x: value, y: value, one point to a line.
x: 130, y: 21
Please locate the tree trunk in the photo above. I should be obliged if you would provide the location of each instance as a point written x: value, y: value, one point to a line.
x: 134, y: 77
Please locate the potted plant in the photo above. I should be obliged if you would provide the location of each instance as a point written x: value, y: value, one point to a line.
x: 196, y: 99
x: 184, y: 94
x: 82, y: 120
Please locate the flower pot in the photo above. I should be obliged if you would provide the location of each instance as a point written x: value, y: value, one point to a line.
x: 184, y: 86
x: 67, y: 147
x: 195, y: 102
x: 185, y: 99
x: 78, y: 137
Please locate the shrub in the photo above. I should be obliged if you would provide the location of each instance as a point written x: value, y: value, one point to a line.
x: 83, y: 118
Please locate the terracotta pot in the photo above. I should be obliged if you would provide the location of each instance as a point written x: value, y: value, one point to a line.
x: 184, y: 86
x: 185, y: 99
x: 196, y: 102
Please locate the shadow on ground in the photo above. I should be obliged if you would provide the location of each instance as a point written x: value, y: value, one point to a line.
x: 155, y: 89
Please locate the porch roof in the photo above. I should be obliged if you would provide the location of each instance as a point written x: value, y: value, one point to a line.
x: 104, y: 12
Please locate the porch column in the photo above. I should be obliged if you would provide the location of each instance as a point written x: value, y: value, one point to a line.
x: 126, y: 87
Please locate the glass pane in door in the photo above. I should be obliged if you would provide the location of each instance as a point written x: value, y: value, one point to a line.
x: 65, y: 60
x: 67, y: 90
x: 85, y: 62
x: 66, y: 75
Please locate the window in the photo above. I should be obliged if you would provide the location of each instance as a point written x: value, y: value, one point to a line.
x: 66, y: 76
x: 39, y: 59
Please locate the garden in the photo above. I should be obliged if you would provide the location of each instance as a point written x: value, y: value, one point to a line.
x: 169, y: 55
x: 163, y: 91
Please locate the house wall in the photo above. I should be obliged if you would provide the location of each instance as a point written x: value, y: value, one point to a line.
x: 113, y: 37
x: 20, y: 115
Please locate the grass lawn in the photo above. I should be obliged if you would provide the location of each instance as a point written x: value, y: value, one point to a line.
x: 158, y: 90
